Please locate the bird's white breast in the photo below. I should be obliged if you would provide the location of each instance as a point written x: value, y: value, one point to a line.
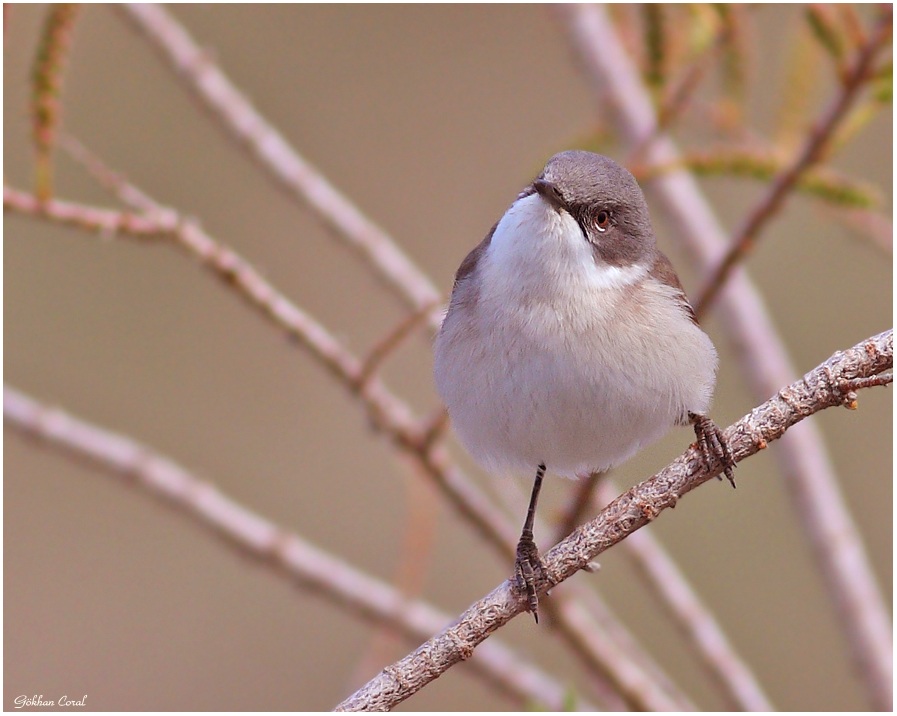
x: 549, y: 355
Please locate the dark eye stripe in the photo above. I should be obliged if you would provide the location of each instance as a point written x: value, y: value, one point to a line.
x: 587, y: 218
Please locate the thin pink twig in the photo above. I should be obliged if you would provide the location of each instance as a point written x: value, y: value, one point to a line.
x: 235, y: 113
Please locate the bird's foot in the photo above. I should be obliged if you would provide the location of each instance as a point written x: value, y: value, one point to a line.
x: 528, y: 569
x: 713, y: 445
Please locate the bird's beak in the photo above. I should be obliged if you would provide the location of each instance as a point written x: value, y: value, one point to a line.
x: 550, y: 193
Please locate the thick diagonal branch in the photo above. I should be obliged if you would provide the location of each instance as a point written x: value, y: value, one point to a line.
x: 826, y: 386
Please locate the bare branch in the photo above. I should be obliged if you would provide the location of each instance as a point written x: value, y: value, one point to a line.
x: 764, y: 360
x: 603, y: 642
x: 390, y: 342
x: 236, y: 115
x: 693, y: 618
x: 817, y: 390
x: 286, y: 551
x: 578, y: 506
x: 675, y: 593
x: 107, y: 222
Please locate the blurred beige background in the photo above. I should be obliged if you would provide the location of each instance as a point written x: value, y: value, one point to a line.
x: 431, y: 119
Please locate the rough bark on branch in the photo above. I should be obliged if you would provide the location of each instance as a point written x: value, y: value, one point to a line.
x: 833, y: 383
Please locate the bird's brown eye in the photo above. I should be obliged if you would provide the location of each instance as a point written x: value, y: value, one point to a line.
x: 602, y: 220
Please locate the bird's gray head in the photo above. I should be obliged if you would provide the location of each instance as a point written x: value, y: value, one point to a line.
x: 604, y: 199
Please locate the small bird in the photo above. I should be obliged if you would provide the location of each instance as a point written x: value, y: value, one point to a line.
x: 569, y: 343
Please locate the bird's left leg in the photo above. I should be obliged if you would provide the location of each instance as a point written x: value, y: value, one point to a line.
x: 529, y: 563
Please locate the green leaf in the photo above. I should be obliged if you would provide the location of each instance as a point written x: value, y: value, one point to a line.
x: 822, y: 25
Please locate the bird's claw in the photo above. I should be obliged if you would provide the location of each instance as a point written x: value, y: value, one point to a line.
x: 528, y: 569
x: 713, y: 445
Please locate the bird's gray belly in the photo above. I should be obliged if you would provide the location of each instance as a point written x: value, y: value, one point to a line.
x: 526, y: 405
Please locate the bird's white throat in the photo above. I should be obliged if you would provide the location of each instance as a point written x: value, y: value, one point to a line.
x: 538, y: 250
